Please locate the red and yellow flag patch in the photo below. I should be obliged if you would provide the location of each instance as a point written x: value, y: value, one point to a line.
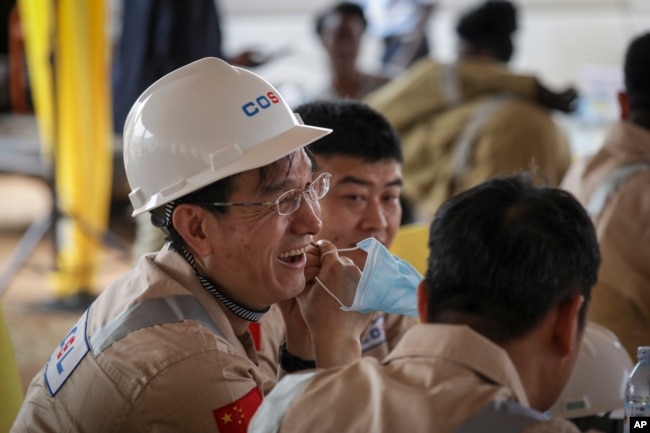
x: 234, y: 418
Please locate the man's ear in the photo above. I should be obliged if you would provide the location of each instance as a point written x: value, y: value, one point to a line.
x: 566, y: 325
x: 189, y: 220
x: 624, y: 105
x: 423, y: 301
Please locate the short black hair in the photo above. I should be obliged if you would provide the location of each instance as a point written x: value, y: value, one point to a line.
x: 637, y: 73
x: 343, y: 8
x: 490, y: 27
x: 505, y: 252
x: 359, y: 131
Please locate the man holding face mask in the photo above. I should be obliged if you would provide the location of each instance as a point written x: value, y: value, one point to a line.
x: 364, y: 156
x: 502, y: 311
x: 216, y: 156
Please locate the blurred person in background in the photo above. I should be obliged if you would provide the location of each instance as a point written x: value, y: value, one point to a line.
x: 340, y: 29
x: 463, y: 123
x: 159, y: 36
x: 613, y: 185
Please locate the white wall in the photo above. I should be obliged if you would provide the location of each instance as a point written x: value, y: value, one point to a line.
x: 564, y: 42
x: 555, y: 41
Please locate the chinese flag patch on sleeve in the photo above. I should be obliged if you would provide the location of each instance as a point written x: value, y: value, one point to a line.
x: 234, y: 418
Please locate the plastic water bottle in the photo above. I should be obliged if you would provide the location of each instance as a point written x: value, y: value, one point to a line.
x: 637, y: 394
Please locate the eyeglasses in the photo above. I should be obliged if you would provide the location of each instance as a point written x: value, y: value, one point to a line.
x: 289, y: 201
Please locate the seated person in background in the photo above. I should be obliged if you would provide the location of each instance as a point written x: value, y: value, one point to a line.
x: 503, y: 309
x: 464, y: 123
x: 340, y: 29
x: 613, y: 185
x: 363, y: 155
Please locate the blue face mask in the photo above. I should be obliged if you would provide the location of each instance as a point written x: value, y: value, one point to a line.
x: 387, y: 283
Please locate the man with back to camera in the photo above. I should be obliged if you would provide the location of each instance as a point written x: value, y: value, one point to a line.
x: 216, y: 156
x: 502, y: 307
x: 451, y: 147
x: 613, y: 185
x: 363, y: 155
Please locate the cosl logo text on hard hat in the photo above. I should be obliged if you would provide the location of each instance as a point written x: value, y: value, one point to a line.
x: 262, y: 102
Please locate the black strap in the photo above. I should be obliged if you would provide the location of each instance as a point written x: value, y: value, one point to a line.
x: 291, y: 364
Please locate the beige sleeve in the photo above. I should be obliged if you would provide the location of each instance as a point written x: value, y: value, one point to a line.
x: 624, y: 235
x: 520, y: 136
x: 190, y: 393
x: 429, y: 86
x: 396, y: 326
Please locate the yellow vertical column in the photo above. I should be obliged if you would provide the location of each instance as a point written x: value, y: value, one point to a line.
x: 83, y: 150
x: 36, y: 21
x: 10, y: 386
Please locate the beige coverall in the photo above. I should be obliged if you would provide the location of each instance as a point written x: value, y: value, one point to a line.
x: 463, y: 124
x: 621, y: 297
x: 380, y: 337
x: 156, y: 353
x: 436, y: 379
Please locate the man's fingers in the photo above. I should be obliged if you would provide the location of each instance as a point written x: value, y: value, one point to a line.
x: 346, y: 260
x: 326, y: 248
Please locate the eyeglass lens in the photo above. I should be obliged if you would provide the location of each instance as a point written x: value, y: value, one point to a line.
x: 289, y: 202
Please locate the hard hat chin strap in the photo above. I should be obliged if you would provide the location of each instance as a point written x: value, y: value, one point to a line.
x: 169, y: 210
x: 237, y: 309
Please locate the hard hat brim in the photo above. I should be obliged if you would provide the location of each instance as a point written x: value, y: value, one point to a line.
x: 264, y: 154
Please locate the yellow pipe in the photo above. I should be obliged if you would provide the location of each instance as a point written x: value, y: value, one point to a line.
x: 11, y: 388
x: 83, y: 162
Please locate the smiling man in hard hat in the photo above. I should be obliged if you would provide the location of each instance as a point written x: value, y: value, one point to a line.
x: 216, y: 156
x: 364, y: 156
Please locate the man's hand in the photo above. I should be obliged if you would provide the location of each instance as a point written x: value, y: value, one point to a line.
x: 335, y: 333
x: 562, y: 101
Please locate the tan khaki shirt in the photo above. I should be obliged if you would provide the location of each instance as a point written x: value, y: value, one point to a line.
x: 178, y: 376
x: 378, y: 339
x: 516, y: 134
x: 436, y: 378
x: 621, y: 297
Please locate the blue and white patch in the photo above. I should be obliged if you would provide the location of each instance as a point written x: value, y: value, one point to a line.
x: 375, y: 334
x: 67, y: 356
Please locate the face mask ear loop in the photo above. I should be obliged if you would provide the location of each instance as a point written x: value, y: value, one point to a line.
x: 328, y: 291
x: 339, y: 250
x: 323, y: 285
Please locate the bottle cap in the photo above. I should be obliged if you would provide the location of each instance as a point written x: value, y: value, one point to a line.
x: 643, y: 352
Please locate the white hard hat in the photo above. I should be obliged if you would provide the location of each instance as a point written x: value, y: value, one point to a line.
x: 597, y: 383
x: 201, y: 123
